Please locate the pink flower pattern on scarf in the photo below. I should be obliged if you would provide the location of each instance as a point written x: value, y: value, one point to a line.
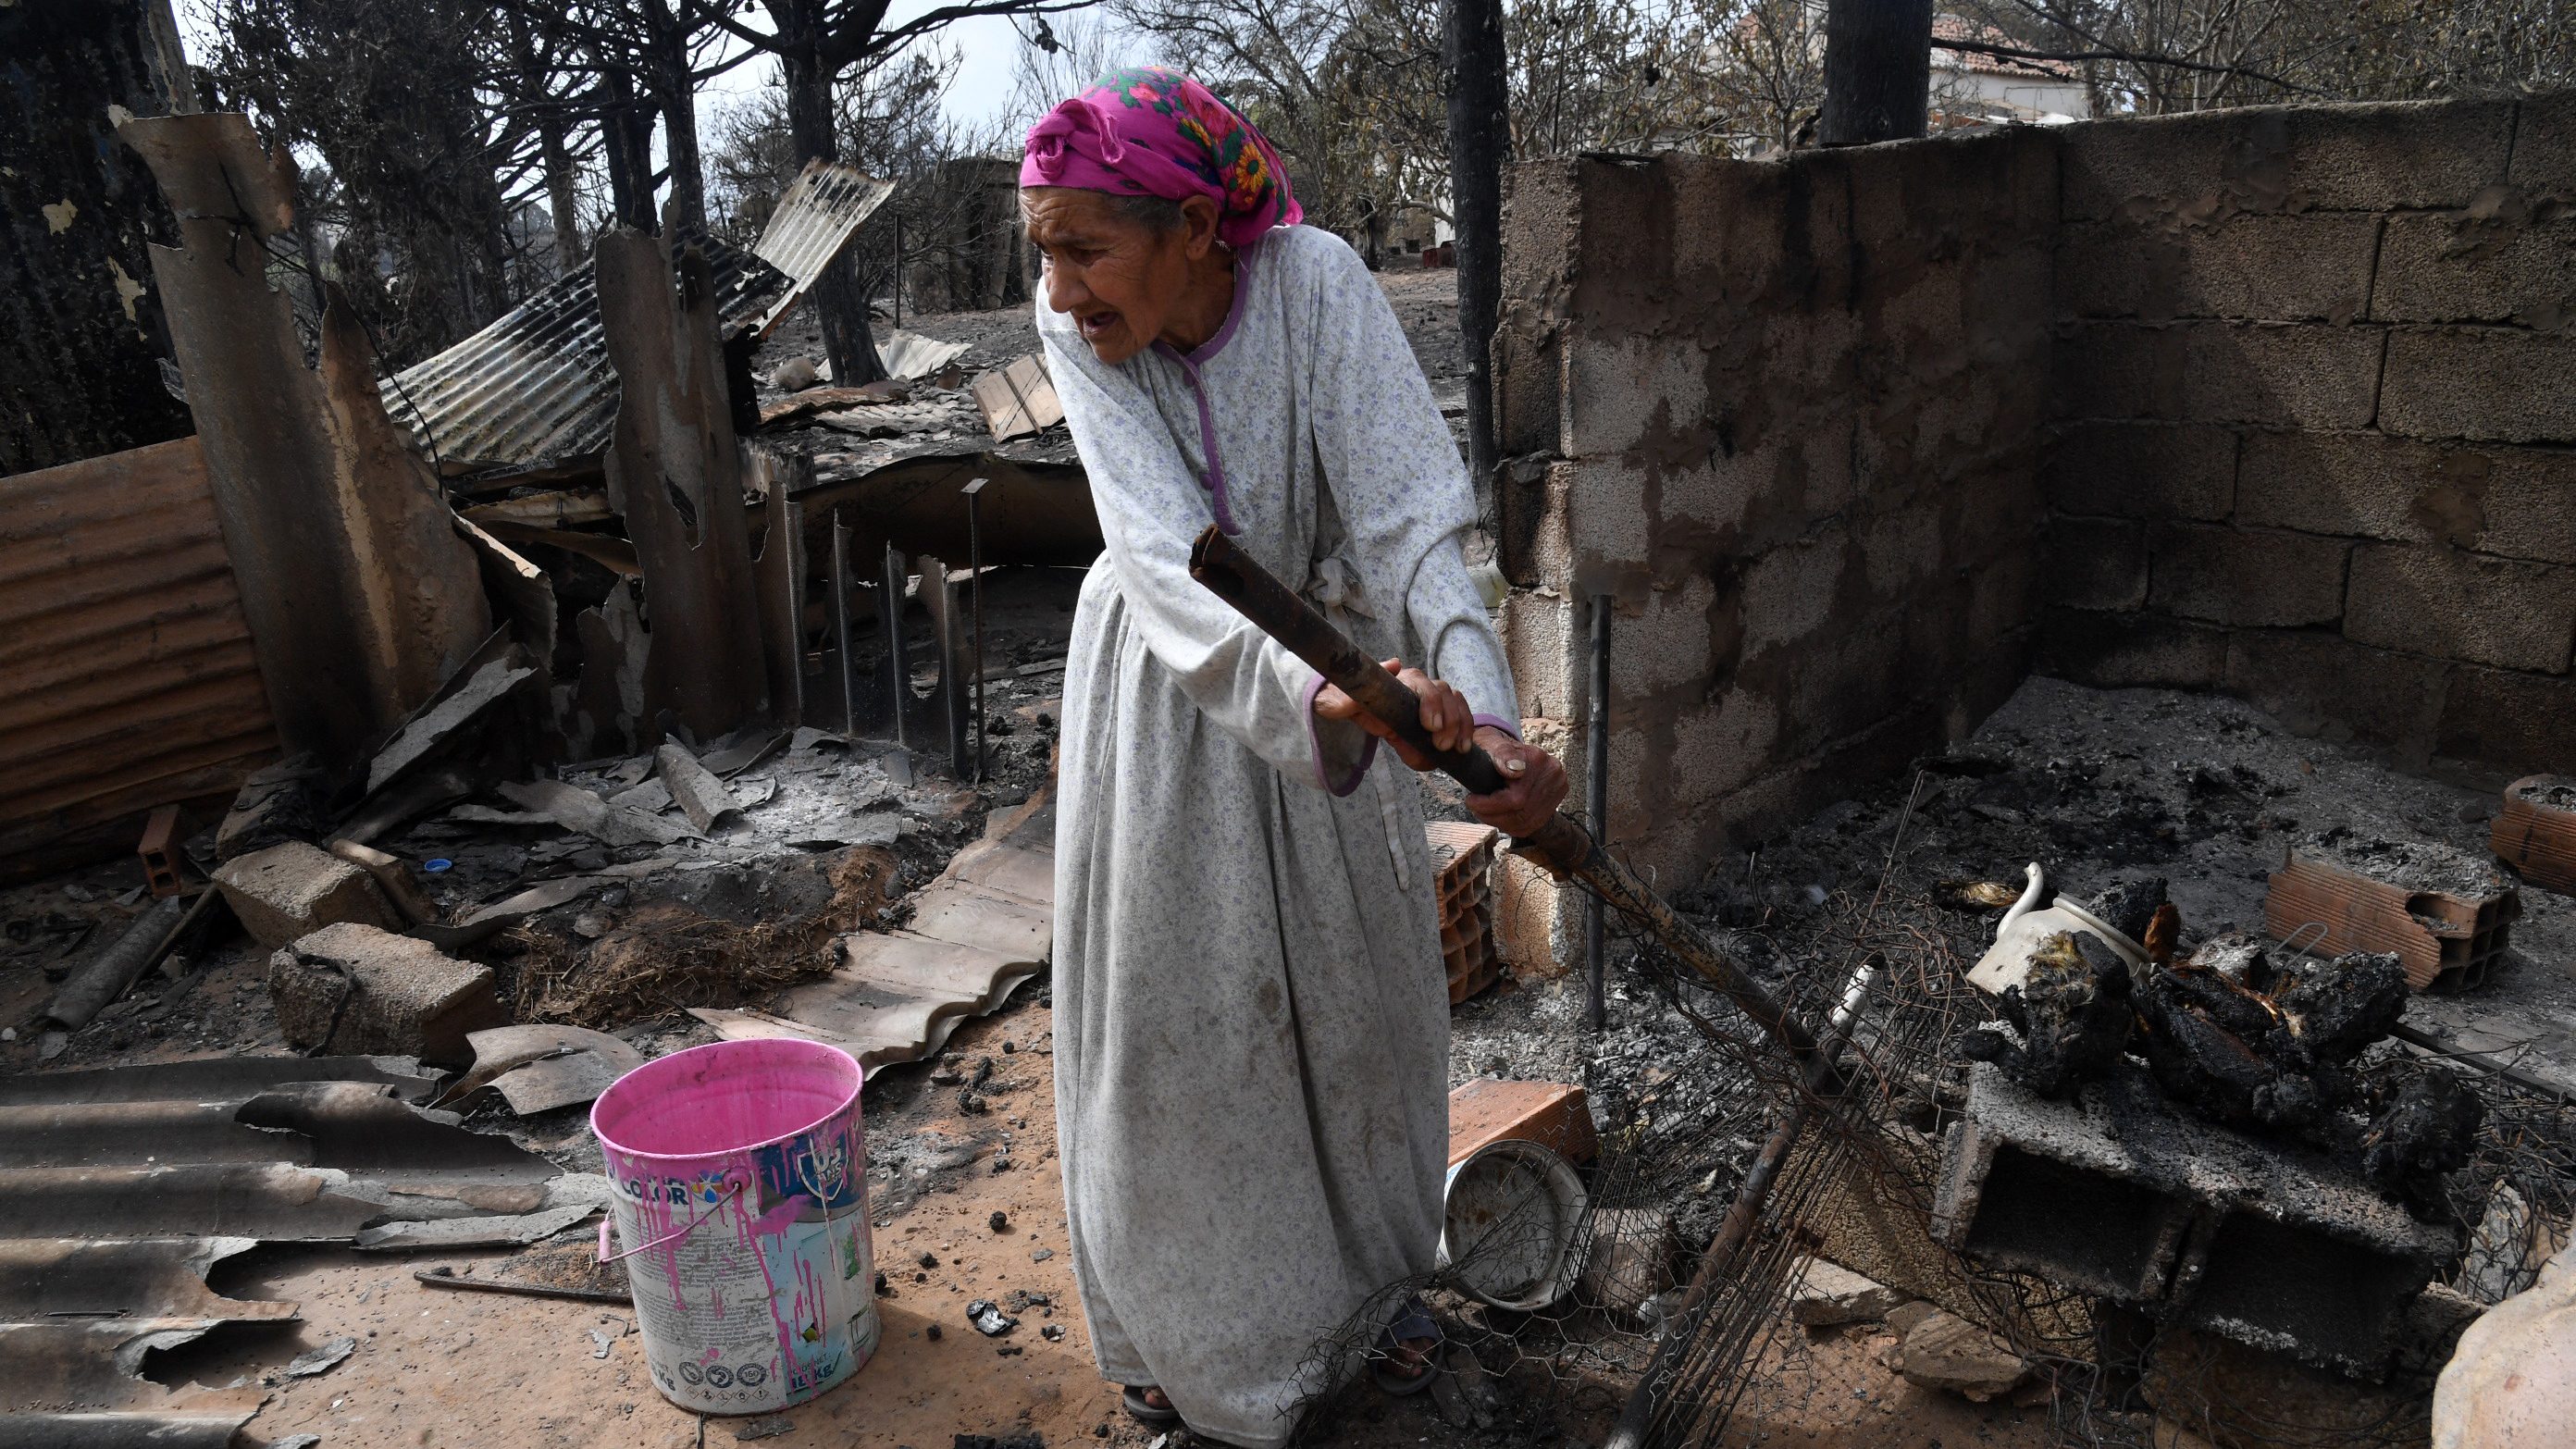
x: 1148, y: 131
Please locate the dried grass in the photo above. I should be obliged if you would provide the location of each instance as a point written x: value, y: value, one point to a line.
x: 666, y: 956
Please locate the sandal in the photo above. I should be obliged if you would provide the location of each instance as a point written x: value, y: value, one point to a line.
x: 1414, y: 1322
x: 1142, y: 1410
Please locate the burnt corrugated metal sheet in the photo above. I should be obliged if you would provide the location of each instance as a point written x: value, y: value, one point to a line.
x: 814, y: 222
x: 131, y: 678
x: 536, y: 386
x: 121, y: 1187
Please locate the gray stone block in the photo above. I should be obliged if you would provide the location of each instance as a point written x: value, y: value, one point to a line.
x: 2247, y: 268
x: 2507, y: 721
x: 2236, y: 576
x: 2486, y: 383
x: 356, y: 989
x: 2122, y: 650
x: 2301, y: 376
x: 2509, y: 501
x: 2452, y: 269
x: 2544, y: 147
x: 292, y: 890
x: 2323, y: 685
x: 2278, y: 158
x: 2095, y: 563
x: 2142, y: 470
x: 2452, y: 604
x: 2118, y: 370
x: 2118, y: 1193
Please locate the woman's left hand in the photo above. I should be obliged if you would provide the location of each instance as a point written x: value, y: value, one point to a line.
x: 1521, y: 808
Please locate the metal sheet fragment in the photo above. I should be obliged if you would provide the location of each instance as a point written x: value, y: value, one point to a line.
x: 359, y: 594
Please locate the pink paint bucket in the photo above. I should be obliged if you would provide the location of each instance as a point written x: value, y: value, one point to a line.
x: 742, y: 1208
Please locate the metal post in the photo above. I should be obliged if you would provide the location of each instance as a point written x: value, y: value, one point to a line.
x: 1596, y: 795
x: 975, y: 566
x: 841, y: 622
x: 898, y: 269
x: 897, y: 667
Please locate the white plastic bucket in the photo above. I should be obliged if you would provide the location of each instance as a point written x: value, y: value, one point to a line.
x: 1509, y: 1219
x: 740, y: 1177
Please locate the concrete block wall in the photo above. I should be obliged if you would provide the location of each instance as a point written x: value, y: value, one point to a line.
x: 2314, y: 439
x: 1788, y: 417
x: 2270, y: 401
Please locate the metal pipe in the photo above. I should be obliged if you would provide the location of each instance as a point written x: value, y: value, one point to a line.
x: 103, y: 980
x: 975, y: 566
x: 841, y: 622
x: 1596, y: 793
x: 1562, y: 846
x: 1742, y: 1215
x: 898, y: 671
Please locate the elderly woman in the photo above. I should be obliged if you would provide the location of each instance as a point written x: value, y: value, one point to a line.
x: 1251, y: 1023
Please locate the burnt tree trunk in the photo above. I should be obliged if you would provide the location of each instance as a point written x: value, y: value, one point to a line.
x: 626, y: 139
x: 840, y: 305
x: 562, y: 201
x: 1480, y: 141
x: 81, y: 366
x: 1878, y: 71
x: 675, y: 92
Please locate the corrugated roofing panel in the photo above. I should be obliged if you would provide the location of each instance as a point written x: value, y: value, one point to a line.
x: 814, y: 222
x: 121, y: 633
x: 536, y: 385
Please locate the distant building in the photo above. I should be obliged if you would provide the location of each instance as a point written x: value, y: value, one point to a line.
x: 1973, y: 88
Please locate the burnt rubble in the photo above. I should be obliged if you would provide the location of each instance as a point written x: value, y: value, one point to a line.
x: 2247, y: 1037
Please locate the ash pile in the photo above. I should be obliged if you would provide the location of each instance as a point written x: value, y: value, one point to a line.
x: 2224, y: 1128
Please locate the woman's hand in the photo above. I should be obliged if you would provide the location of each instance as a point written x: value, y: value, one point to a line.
x: 1536, y: 790
x: 1537, y: 781
x: 1445, y: 716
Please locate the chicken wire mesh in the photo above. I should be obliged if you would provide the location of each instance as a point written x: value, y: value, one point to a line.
x: 1723, y: 1170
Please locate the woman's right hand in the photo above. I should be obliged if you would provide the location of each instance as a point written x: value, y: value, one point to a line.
x: 1445, y: 715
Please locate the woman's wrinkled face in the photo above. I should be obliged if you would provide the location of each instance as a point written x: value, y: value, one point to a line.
x: 1119, y: 278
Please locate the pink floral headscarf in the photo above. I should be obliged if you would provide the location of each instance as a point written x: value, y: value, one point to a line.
x: 1148, y: 131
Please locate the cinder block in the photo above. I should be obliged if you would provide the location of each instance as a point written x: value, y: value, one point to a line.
x: 2119, y: 370
x: 2544, y: 148
x: 292, y: 890
x: 2250, y: 268
x: 1844, y: 681
x: 2450, y: 915
x: 2295, y: 375
x: 1636, y: 395
x: 1790, y: 592
x: 2491, y: 384
x: 1554, y: 1115
x: 2118, y: 1193
x: 2142, y: 470
x: 1662, y: 646
x: 2513, y: 502
x: 2327, y: 686
x: 355, y: 989
x: 1900, y: 548
x: 2237, y: 576
x: 2447, y: 269
x: 2122, y: 650
x: 2095, y: 563
x: 2452, y: 604
x: 2267, y: 159
x: 2508, y: 721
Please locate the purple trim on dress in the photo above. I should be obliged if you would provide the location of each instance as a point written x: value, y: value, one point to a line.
x: 1206, y: 352
x: 1497, y: 721
x: 1190, y: 363
x: 1315, y: 742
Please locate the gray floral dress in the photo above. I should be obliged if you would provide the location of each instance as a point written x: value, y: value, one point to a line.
x: 1251, y: 1017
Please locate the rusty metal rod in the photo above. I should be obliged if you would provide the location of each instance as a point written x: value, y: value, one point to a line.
x: 1742, y: 1216
x: 1562, y: 847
